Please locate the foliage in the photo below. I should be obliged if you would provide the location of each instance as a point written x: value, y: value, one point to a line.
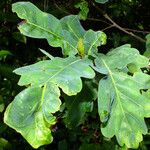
x: 84, y: 9
x: 147, y: 52
x: 101, y: 1
x: 75, y: 124
x: 33, y: 112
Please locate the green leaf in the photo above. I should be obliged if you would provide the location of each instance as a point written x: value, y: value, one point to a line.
x: 4, y: 144
x: 65, y: 72
x: 65, y: 33
x: 19, y: 37
x: 72, y: 32
x: 119, y: 58
x: 101, y: 1
x: 38, y: 24
x: 121, y: 106
x: 2, y: 106
x: 46, y: 53
x: 31, y: 113
x: 84, y: 41
x: 147, y: 52
x: 92, y: 40
x: 84, y: 10
x: 78, y: 105
x: 4, y: 53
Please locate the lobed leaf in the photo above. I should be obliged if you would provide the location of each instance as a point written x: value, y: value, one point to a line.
x: 64, y: 72
x: 121, y: 106
x: 31, y: 113
x: 65, y: 33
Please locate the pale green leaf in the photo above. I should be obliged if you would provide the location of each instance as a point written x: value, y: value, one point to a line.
x: 46, y: 53
x: 121, y: 106
x: 65, y: 33
x: 147, y: 52
x: 84, y: 9
x: 31, y: 113
x: 120, y: 57
x: 101, y: 1
x: 38, y: 24
x: 64, y: 72
x: 19, y: 37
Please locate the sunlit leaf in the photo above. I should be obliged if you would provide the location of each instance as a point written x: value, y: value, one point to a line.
x: 4, y: 53
x: 121, y: 106
x: 65, y: 72
x: 31, y: 113
x: 147, y: 52
x: 65, y: 33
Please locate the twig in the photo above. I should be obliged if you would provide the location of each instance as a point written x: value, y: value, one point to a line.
x: 98, y: 20
x: 62, y: 10
x: 111, y: 26
x: 122, y: 29
x: 116, y: 25
x: 138, y: 31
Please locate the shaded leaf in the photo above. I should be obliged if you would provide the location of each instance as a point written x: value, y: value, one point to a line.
x: 78, y: 105
x: 4, y: 53
x: 72, y: 32
x: 31, y: 111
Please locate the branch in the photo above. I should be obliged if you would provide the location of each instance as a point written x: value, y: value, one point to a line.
x: 62, y: 10
x: 111, y: 26
x: 138, y: 31
x: 114, y: 24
